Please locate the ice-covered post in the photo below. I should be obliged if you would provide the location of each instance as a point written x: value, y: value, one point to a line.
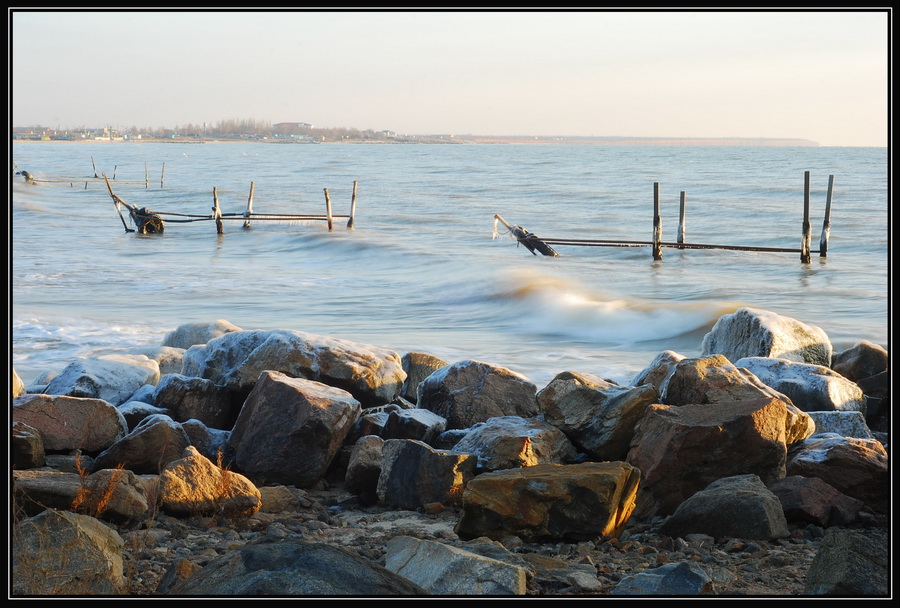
x: 328, y: 209
x: 806, y: 238
x: 352, y: 207
x: 681, y: 222
x: 249, y: 210
x: 826, y: 224
x: 217, y: 215
x: 657, y: 224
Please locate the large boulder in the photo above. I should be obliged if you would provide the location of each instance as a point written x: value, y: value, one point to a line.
x: 27, y: 447
x: 810, y: 387
x: 155, y: 442
x: 736, y: 507
x: 682, y: 449
x: 294, y: 568
x: 864, y: 360
x: 190, y: 334
x: 550, y: 502
x: 185, y: 398
x: 372, y: 375
x: 56, y: 553
x: 508, y: 442
x: 418, y: 366
x: 113, y: 378
x: 598, y: 416
x: 810, y: 500
x: 414, y: 474
x: 194, y: 485
x: 290, y: 429
x: 468, y: 392
x: 750, y: 332
x: 446, y: 570
x: 851, y: 564
x: 71, y: 423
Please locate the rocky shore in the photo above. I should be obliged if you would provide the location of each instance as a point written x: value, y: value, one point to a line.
x: 340, y: 469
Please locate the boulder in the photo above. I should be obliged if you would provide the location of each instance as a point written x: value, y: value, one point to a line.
x: 290, y: 429
x: 446, y: 570
x: 113, y: 378
x: 364, y: 468
x: 735, y: 507
x: 851, y: 564
x: 414, y: 474
x: 810, y: 387
x: 598, y: 416
x: 194, y: 485
x: 185, y: 398
x: 56, y: 553
x: 810, y: 500
x: 751, y: 332
x: 675, y: 579
x: 135, y: 411
x: 27, y: 447
x: 71, y: 423
x: 550, y: 502
x: 18, y: 387
x: 659, y: 369
x: 418, y: 366
x: 189, y: 334
x: 863, y: 360
x: 416, y: 423
x: 508, y: 442
x: 237, y: 359
x: 855, y: 467
x: 154, y: 443
x: 682, y: 449
x: 469, y: 391
x: 212, y: 443
x: 169, y: 358
x: 846, y: 424
x: 294, y: 568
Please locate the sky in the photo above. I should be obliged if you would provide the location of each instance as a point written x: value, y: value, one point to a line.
x: 822, y: 75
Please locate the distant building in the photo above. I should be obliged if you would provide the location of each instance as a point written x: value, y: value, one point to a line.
x: 291, y: 127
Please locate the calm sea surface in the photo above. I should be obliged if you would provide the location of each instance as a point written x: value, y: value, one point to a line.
x: 422, y: 270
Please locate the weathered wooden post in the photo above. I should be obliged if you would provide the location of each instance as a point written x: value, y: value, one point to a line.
x: 681, y: 222
x: 146, y: 176
x: 162, y: 175
x: 826, y: 224
x: 657, y: 224
x: 216, y: 213
x: 249, y: 210
x: 806, y: 238
x: 328, y: 208
x: 352, y: 206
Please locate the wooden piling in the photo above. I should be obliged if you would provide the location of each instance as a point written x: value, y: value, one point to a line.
x: 826, y: 224
x: 217, y: 214
x: 806, y: 238
x: 162, y: 175
x: 328, y: 209
x: 352, y: 207
x: 249, y: 210
x: 146, y: 177
x: 681, y: 221
x: 657, y: 224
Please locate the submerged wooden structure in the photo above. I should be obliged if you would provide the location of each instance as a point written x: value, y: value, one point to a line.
x: 96, y: 179
x: 146, y: 221
x: 544, y: 245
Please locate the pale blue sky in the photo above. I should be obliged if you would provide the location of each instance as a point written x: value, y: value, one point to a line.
x: 814, y: 75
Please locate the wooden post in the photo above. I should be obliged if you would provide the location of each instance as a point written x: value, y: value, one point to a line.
x: 681, y: 222
x: 328, y: 209
x: 146, y: 177
x: 162, y: 175
x: 826, y: 224
x: 805, y: 239
x: 115, y: 169
x: 95, y: 168
x: 657, y: 224
x: 216, y: 213
x: 249, y: 210
x: 352, y: 207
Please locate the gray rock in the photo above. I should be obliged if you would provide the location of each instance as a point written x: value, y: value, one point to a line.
x: 681, y: 578
x: 851, y: 563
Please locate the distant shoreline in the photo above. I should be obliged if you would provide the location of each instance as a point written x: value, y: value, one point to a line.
x: 466, y: 139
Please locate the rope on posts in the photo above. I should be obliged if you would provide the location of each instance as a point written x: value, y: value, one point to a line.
x: 805, y: 240
x: 681, y: 222
x: 826, y: 224
x: 249, y: 210
x: 217, y: 215
x: 328, y: 209
x: 352, y: 207
x: 657, y: 224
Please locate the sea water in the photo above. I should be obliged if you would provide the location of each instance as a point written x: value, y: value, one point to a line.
x: 423, y: 268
